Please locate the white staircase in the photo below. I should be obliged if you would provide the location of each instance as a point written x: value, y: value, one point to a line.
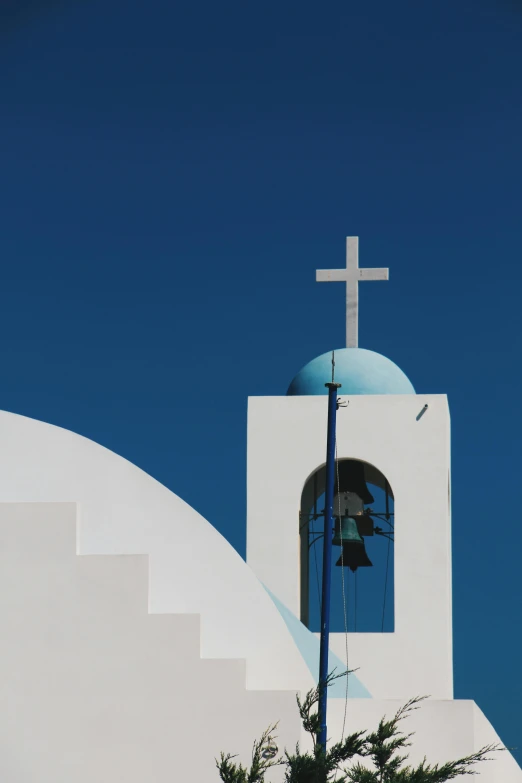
x: 93, y: 687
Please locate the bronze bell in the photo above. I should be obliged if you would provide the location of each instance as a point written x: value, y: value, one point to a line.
x: 354, y: 556
x: 346, y: 532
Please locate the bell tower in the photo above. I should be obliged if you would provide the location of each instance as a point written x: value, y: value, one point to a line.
x: 392, y: 495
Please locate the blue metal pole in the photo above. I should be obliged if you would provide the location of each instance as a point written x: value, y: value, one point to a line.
x: 327, y: 560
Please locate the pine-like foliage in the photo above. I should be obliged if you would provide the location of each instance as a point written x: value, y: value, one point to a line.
x: 362, y: 757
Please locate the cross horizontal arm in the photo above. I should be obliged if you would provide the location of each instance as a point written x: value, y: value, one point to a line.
x: 374, y: 274
x: 330, y: 276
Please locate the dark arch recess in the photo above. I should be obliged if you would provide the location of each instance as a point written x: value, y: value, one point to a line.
x: 313, y: 490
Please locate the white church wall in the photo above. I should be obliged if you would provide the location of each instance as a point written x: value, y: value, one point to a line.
x: 193, y: 569
x: 96, y: 689
x: 286, y: 444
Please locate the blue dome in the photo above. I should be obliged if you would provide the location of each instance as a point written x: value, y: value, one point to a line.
x: 358, y: 370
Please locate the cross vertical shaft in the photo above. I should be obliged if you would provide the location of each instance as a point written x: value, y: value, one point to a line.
x: 352, y: 275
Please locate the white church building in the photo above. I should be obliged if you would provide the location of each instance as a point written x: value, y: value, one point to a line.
x: 137, y: 644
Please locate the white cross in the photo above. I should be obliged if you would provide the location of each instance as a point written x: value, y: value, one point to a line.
x: 352, y: 275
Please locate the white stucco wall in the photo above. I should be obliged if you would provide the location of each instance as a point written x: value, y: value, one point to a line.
x: 286, y: 444
x: 93, y: 687
x: 193, y: 569
x: 93, y: 682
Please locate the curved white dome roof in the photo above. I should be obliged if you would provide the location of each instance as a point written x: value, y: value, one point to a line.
x: 122, y: 510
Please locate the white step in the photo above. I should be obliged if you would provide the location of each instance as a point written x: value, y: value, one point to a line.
x: 93, y: 688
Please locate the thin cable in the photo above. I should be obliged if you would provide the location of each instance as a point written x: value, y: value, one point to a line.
x: 315, y: 548
x: 317, y: 576
x: 387, y: 498
x: 355, y: 601
x: 385, y: 584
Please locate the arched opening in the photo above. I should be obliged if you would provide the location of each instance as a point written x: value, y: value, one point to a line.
x: 362, y: 551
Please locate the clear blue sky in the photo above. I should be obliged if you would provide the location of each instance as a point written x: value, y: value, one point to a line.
x: 172, y: 175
